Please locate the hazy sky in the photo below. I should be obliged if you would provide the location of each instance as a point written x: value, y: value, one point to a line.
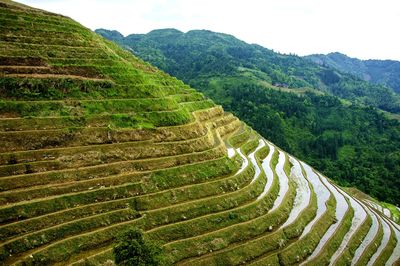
x: 359, y: 28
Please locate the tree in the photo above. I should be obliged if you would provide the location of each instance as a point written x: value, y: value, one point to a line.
x: 133, y: 249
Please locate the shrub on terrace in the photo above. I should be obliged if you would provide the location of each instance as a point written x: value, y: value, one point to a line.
x: 134, y: 249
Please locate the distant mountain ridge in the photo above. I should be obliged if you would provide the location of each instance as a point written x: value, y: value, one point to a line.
x: 197, y: 54
x: 386, y: 72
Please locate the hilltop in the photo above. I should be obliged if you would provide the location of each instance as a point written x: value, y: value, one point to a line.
x: 386, y: 72
x: 201, y: 54
x: 95, y: 141
x: 354, y: 144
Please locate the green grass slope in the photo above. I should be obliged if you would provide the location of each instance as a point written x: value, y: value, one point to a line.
x: 94, y: 141
x: 384, y: 72
x: 287, y: 99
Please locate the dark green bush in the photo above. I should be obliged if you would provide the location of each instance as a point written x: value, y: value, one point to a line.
x: 133, y: 248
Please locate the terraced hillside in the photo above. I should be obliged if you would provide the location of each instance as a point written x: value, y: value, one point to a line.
x: 94, y: 141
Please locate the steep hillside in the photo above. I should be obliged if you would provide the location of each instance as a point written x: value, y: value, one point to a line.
x: 354, y: 145
x: 386, y: 72
x: 197, y: 55
x: 94, y: 141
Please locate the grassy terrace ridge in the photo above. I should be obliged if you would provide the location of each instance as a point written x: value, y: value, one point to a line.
x: 246, y: 251
x: 95, y: 141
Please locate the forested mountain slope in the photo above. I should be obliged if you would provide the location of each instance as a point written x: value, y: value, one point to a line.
x: 95, y: 141
x: 355, y: 145
x: 197, y: 55
x: 386, y: 72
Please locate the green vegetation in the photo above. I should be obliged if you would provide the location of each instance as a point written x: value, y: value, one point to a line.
x: 384, y: 72
x: 357, y: 238
x: 301, y: 249
x: 354, y: 144
x: 133, y: 249
x: 333, y: 243
x: 371, y: 249
x: 395, y: 212
x: 387, y: 251
x: 202, y: 57
x: 105, y: 159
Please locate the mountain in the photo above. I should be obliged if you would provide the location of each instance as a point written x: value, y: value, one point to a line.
x: 198, y: 54
x: 95, y: 141
x: 354, y: 145
x: 385, y: 72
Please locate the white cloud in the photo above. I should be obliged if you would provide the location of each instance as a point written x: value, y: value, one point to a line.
x: 359, y: 28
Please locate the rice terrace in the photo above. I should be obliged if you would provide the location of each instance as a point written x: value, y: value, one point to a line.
x: 95, y: 141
